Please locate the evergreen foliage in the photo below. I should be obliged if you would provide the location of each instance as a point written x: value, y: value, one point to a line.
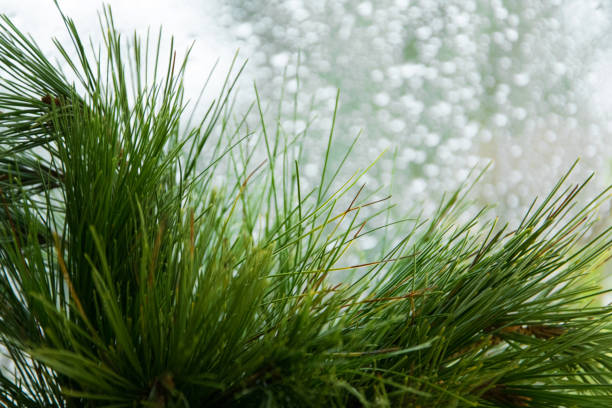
x: 128, y: 277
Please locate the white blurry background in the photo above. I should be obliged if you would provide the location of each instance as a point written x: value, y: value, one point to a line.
x: 443, y: 85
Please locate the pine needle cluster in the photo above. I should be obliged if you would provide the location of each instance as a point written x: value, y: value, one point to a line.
x: 130, y: 277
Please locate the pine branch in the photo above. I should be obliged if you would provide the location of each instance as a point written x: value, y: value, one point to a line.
x: 129, y: 276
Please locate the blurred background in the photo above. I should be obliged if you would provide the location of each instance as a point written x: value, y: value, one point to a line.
x: 444, y: 86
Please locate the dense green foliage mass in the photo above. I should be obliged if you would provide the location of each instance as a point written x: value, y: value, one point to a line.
x: 130, y: 277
